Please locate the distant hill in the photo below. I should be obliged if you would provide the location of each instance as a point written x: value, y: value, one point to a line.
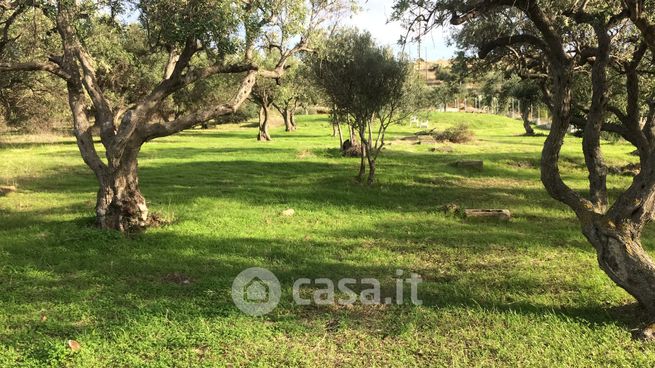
x: 428, y: 69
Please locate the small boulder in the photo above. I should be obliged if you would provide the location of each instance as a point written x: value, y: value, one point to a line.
x: 74, y: 345
x: 288, y: 213
x: 631, y: 170
x: 425, y: 132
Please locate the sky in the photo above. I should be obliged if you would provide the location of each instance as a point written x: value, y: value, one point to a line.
x: 373, y: 18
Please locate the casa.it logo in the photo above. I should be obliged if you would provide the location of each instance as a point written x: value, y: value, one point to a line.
x: 256, y: 291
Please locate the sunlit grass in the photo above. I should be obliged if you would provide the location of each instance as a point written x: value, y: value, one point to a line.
x: 525, y: 293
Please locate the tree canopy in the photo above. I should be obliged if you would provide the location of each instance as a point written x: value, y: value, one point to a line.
x: 120, y: 74
x: 367, y: 84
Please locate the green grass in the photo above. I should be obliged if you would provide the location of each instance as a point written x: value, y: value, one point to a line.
x: 526, y: 293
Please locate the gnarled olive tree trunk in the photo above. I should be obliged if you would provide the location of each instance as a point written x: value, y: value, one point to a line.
x: 120, y: 205
x: 289, y: 124
x: 615, y: 232
x: 263, y: 134
x: 288, y: 114
x: 622, y: 257
x: 525, y: 116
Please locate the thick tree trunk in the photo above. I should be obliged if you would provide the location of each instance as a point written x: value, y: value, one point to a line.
x: 263, y: 125
x: 292, y: 118
x: 624, y: 260
x: 120, y: 204
x: 287, y: 114
x: 525, y: 115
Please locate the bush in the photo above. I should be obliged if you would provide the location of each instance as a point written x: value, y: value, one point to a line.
x: 458, y: 134
x: 239, y: 117
x: 610, y: 137
x: 351, y: 150
x: 318, y: 110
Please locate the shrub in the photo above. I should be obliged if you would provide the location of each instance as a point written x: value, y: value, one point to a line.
x: 239, y: 117
x: 457, y: 134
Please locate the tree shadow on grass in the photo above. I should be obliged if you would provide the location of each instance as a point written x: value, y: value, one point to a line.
x: 124, y: 279
x: 263, y: 182
x: 25, y: 145
x: 54, y: 264
x: 250, y: 133
x: 408, y: 183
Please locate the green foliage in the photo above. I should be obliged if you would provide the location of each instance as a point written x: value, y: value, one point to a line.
x: 126, y: 67
x: 297, y: 86
x: 31, y: 102
x: 526, y: 91
x: 458, y: 134
x: 214, y: 22
x: 360, y: 78
x: 130, y: 53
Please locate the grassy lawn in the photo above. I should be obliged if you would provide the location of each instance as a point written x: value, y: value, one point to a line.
x: 524, y: 293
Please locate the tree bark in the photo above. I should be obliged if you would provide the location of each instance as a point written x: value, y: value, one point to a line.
x: 120, y: 204
x: 263, y: 124
x: 362, y: 164
x: 371, y: 169
x: 287, y: 114
x: 292, y: 117
x: 525, y: 115
x: 364, y: 151
x: 623, y: 259
x: 287, y: 110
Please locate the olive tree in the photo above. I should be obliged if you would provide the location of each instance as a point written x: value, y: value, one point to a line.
x: 185, y: 42
x: 368, y: 86
x: 263, y: 94
x: 605, y: 48
x: 296, y: 90
x: 527, y: 92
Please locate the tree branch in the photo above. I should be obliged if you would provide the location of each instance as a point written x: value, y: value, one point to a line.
x: 49, y: 67
x: 509, y: 41
x: 200, y: 115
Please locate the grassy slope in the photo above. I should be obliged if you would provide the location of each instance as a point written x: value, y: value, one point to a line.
x: 526, y: 293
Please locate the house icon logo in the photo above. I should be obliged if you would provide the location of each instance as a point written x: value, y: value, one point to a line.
x: 256, y: 291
